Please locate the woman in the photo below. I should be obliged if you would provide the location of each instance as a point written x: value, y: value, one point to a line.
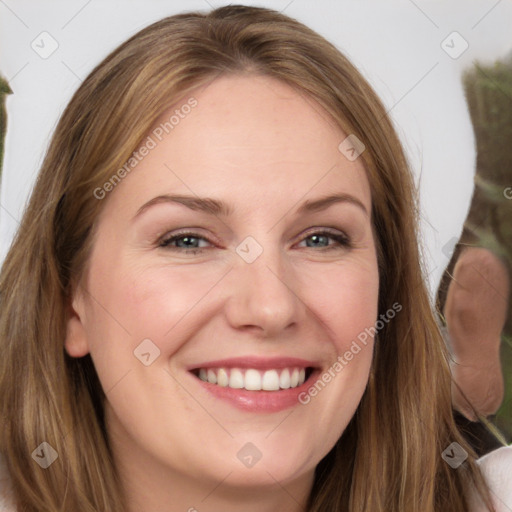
x: 223, y: 307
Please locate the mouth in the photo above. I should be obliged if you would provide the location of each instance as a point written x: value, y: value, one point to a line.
x: 255, y: 384
x: 252, y: 379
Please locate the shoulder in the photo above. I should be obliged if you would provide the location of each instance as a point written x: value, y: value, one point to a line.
x: 5, y: 489
x: 496, y: 467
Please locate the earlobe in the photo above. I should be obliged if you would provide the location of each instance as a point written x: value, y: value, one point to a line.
x: 76, y: 339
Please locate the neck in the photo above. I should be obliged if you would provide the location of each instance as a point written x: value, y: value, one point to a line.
x: 175, y: 493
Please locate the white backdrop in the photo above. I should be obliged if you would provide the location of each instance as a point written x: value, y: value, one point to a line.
x: 413, y: 52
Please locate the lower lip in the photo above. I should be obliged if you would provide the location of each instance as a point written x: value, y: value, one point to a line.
x: 259, y: 401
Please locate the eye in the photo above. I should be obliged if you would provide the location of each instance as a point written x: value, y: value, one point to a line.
x: 187, y: 242
x: 325, y: 240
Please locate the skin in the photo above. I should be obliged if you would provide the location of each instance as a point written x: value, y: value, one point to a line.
x: 476, y: 311
x: 264, y: 150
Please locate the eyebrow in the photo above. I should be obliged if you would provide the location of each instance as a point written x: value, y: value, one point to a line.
x: 324, y: 203
x: 204, y: 204
x: 215, y: 207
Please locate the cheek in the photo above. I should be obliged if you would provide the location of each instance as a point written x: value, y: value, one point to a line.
x: 345, y: 301
x: 137, y: 302
x: 344, y: 298
x: 164, y: 298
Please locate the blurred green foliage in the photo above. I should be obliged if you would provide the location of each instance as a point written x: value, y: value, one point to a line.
x: 4, y: 91
x: 489, y: 223
x: 489, y: 95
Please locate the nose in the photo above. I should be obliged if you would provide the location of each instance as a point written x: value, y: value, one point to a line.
x: 262, y: 298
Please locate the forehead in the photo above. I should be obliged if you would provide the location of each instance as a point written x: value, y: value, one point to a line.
x: 246, y: 134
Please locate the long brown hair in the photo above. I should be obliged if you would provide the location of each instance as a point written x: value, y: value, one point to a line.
x: 389, y: 457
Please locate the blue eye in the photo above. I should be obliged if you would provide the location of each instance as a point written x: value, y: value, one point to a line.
x: 317, y: 241
x: 186, y: 241
x: 325, y: 240
x: 194, y: 243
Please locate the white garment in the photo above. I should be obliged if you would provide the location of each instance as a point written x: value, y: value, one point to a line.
x: 496, y: 466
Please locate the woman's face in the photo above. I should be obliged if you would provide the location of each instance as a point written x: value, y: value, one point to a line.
x: 237, y: 254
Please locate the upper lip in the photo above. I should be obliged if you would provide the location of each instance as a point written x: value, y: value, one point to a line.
x: 257, y: 362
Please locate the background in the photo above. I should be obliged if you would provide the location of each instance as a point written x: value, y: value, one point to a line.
x: 414, y: 53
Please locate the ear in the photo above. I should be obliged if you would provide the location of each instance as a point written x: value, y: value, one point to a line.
x: 477, y: 301
x: 76, y: 343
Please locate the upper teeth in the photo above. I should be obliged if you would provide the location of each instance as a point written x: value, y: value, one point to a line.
x: 254, y: 380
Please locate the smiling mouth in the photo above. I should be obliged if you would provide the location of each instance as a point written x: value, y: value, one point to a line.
x: 252, y: 379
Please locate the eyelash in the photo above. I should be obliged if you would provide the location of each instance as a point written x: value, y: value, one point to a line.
x: 341, y: 241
